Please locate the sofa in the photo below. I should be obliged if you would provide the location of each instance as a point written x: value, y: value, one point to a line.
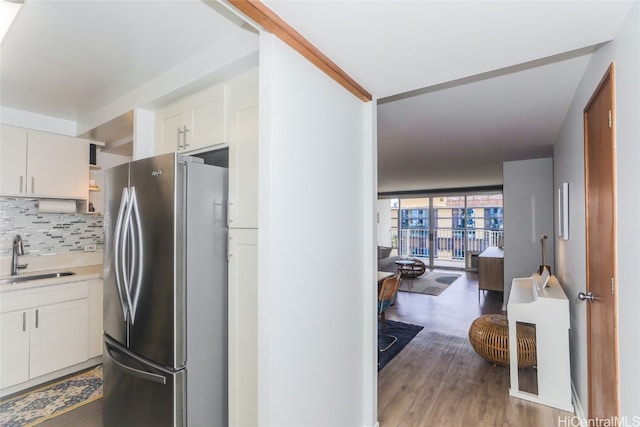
x: 386, y: 262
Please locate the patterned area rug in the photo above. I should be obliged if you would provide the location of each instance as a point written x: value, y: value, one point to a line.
x: 431, y: 283
x: 52, y: 400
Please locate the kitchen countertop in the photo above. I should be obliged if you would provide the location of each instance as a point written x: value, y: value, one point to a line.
x: 81, y: 273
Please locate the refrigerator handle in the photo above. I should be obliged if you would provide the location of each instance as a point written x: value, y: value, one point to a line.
x: 147, y: 376
x: 137, y: 258
x: 118, y: 248
x: 124, y: 256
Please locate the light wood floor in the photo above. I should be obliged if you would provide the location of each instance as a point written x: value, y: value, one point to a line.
x: 439, y: 380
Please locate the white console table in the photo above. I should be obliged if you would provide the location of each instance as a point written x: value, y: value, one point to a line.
x: 548, y: 309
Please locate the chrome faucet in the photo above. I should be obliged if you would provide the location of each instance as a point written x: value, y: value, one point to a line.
x: 18, y: 249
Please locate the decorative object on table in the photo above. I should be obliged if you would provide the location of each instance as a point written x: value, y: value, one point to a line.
x: 489, y: 337
x: 404, y: 332
x: 55, y: 399
x: 543, y: 242
x: 543, y: 278
x: 433, y: 283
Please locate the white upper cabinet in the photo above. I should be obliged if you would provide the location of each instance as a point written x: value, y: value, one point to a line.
x: 193, y: 123
x: 243, y: 151
x: 39, y: 164
x: 13, y: 160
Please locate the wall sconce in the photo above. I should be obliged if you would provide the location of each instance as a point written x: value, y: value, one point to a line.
x: 563, y: 211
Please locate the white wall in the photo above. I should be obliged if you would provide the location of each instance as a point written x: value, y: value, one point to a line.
x: 624, y: 51
x: 28, y: 120
x: 105, y: 161
x: 316, y: 247
x: 143, y: 133
x: 383, y: 208
x: 528, y: 214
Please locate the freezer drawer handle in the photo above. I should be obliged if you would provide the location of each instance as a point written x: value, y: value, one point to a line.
x: 147, y: 376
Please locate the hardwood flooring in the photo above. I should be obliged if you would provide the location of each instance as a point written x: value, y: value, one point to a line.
x: 439, y: 380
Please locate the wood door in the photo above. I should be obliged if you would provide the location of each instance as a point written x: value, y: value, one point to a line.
x: 600, y: 187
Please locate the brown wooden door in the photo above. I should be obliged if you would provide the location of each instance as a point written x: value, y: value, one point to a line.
x: 602, y: 317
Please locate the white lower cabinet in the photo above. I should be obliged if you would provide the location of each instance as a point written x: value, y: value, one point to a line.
x: 243, y: 327
x: 43, y: 330
x: 14, y: 348
x: 58, y: 336
x: 95, y: 318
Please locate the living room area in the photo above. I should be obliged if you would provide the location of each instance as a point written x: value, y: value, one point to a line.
x: 437, y: 245
x: 438, y: 378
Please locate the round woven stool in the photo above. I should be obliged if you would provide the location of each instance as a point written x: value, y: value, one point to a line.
x: 489, y: 337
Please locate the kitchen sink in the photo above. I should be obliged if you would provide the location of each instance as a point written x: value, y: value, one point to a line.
x: 20, y: 279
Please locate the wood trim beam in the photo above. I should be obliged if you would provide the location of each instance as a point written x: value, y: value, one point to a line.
x: 267, y: 19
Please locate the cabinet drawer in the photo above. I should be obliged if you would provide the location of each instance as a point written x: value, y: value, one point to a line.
x: 36, y: 297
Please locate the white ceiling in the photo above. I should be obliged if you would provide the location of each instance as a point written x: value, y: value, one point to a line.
x: 463, y: 85
x: 467, y: 84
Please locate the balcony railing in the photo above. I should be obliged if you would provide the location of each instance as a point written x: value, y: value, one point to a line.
x: 448, y: 244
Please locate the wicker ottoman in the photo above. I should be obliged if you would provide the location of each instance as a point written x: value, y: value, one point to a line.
x: 489, y: 337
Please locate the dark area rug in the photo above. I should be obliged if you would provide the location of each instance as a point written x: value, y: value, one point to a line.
x: 405, y: 333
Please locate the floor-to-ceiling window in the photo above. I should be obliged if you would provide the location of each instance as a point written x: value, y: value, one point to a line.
x: 446, y: 230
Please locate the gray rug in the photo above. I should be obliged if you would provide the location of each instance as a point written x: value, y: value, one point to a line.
x: 430, y: 283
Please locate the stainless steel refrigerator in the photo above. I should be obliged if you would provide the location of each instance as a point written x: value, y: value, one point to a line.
x: 165, y: 293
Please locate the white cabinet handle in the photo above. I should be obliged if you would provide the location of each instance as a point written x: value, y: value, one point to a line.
x: 21, y: 179
x: 180, y: 132
x: 33, y: 185
x: 184, y: 132
x: 24, y: 321
x: 37, y: 318
x: 229, y: 216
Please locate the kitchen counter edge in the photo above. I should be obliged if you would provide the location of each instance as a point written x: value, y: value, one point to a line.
x: 87, y: 272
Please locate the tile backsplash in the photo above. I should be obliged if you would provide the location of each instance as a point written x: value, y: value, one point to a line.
x: 46, y: 233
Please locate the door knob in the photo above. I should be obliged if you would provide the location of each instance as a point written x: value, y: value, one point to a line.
x: 588, y: 296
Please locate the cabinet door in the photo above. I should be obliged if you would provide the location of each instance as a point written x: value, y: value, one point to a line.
x: 171, y: 122
x: 243, y: 327
x: 13, y: 160
x: 243, y: 151
x: 57, y: 166
x: 208, y: 125
x: 14, y: 348
x: 59, y: 336
x: 95, y: 318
